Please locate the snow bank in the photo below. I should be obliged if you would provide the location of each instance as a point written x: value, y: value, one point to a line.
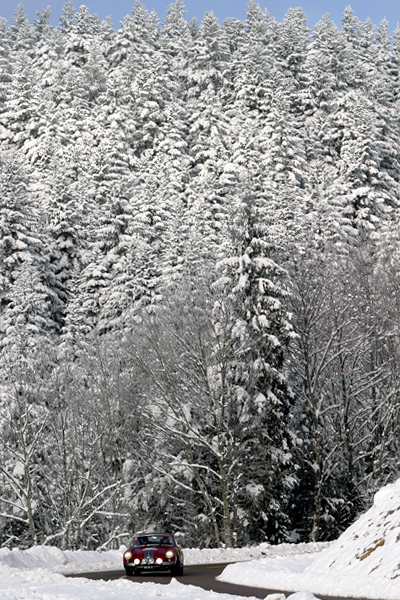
x: 30, y: 574
x: 34, y: 574
x: 81, y: 561
x: 221, y: 555
x: 44, y: 585
x: 364, y: 561
x: 60, y: 561
x: 274, y: 573
x: 371, y: 546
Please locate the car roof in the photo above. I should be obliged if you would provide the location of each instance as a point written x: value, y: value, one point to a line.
x: 153, y: 533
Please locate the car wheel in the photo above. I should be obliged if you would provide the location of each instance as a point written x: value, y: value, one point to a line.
x: 177, y: 570
x: 129, y: 571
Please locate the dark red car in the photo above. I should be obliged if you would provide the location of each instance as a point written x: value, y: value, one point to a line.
x: 153, y: 552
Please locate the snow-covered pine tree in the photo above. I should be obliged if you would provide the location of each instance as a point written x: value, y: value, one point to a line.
x: 253, y: 286
x: 22, y: 236
x: 5, y: 64
x: 28, y: 313
x: 175, y: 44
x: 252, y: 60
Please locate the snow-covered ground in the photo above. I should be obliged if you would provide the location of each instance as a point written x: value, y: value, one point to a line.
x: 35, y: 574
x: 40, y: 584
x: 80, y: 562
x: 363, y: 562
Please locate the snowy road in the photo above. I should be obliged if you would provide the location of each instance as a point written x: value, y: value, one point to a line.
x: 202, y: 576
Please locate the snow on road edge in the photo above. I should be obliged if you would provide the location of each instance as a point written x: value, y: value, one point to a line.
x: 67, y: 562
x: 39, y: 584
x: 36, y: 574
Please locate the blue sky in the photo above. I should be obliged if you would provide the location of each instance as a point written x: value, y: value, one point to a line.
x: 314, y: 9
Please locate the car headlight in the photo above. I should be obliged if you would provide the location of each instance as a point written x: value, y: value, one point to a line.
x: 137, y: 561
x: 159, y: 561
x: 128, y: 555
x: 169, y: 554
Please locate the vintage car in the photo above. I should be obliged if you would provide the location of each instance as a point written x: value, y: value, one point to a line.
x: 153, y: 552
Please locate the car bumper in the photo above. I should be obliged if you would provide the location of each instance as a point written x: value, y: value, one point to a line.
x: 166, y: 566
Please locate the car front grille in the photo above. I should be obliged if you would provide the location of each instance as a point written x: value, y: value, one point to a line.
x: 148, y: 558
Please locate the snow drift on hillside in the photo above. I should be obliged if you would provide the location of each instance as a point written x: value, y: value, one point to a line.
x: 364, y: 561
x: 371, y: 546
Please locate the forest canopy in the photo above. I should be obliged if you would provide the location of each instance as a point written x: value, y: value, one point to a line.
x: 199, y: 257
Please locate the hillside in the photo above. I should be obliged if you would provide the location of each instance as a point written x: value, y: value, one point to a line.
x: 199, y: 276
x: 363, y: 562
x: 369, y: 548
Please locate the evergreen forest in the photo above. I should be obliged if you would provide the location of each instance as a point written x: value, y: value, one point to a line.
x: 199, y: 276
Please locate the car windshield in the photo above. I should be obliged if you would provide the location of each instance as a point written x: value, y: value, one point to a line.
x: 153, y: 539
